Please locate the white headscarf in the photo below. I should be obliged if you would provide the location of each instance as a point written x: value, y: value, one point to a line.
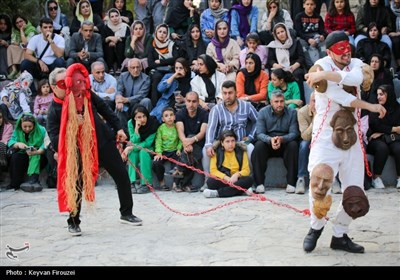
x: 119, y: 29
x: 282, y: 49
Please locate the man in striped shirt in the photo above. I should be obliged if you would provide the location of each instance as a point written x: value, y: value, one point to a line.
x: 233, y: 114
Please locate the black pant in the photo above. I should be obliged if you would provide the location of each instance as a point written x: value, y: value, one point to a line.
x: 111, y: 160
x: 225, y: 190
x: 158, y: 166
x: 381, y: 151
x: 263, y: 151
x: 192, y: 159
x: 19, y: 163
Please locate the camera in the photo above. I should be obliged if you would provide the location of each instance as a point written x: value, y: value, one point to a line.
x: 31, y: 149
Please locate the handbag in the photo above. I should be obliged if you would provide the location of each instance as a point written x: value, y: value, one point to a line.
x: 390, y: 138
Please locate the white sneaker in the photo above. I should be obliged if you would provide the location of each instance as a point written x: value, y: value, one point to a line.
x: 336, y: 186
x: 378, y: 184
x: 210, y: 193
x: 260, y: 189
x: 290, y: 189
x: 398, y: 183
x: 300, y: 186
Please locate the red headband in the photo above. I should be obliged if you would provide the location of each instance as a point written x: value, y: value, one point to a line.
x: 340, y: 48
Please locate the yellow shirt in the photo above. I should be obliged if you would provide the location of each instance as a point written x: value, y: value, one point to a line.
x: 231, y: 163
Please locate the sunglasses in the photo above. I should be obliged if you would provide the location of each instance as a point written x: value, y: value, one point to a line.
x: 55, y: 8
x: 61, y: 84
x: 27, y: 118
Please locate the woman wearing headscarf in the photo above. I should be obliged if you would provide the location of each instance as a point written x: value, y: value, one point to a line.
x: 210, y: 16
x: 180, y: 16
x: 142, y: 132
x: 243, y: 20
x: 273, y: 15
x: 395, y: 34
x: 382, y: 76
x: 16, y: 95
x: 208, y: 82
x: 115, y: 33
x: 162, y: 55
x: 60, y: 21
x: 28, y: 142
x: 287, y: 53
x: 22, y: 32
x: 252, y: 82
x: 138, y: 44
x: 193, y: 46
x: 178, y: 82
x: 6, y: 130
x: 126, y: 15
x: 372, y: 44
x: 84, y: 12
x: 224, y: 50
x: 384, y: 135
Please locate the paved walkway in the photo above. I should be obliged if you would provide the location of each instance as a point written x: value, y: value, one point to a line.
x: 248, y: 234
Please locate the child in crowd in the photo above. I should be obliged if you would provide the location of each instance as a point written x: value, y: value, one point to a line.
x: 42, y: 101
x: 167, y: 144
x: 340, y: 17
x: 231, y: 164
x: 253, y: 46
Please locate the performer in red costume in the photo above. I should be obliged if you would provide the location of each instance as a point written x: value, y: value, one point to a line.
x: 82, y: 141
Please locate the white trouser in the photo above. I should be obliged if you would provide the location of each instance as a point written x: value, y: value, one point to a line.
x: 350, y: 165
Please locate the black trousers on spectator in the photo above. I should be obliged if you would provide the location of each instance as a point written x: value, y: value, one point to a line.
x: 225, y: 190
x: 156, y: 78
x: 19, y: 163
x: 110, y: 160
x: 158, y: 166
x: 192, y: 159
x: 381, y: 151
x: 263, y: 151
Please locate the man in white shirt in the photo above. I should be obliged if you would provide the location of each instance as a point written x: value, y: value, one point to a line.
x: 41, y: 59
x: 103, y: 84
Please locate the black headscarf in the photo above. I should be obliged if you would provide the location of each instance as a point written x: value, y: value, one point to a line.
x: 184, y: 82
x: 177, y: 13
x: 192, y: 51
x: 150, y: 127
x: 212, y: 67
x: 249, y: 85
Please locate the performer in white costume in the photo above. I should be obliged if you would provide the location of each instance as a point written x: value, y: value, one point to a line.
x: 338, y: 69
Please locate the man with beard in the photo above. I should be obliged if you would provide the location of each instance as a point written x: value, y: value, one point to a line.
x: 338, y: 69
x: 277, y: 134
x: 233, y: 114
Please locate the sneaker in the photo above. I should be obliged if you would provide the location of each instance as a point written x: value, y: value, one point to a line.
x: 134, y: 189
x: 143, y: 189
x: 290, y: 189
x: 210, y: 193
x: 131, y: 220
x: 204, y: 187
x: 377, y: 183
x: 398, y: 183
x: 260, y: 189
x: 74, y: 230
x: 300, y: 186
x: 336, y: 187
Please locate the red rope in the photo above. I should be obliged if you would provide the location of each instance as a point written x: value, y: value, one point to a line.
x: 322, y: 123
x: 253, y: 196
x: 360, y: 137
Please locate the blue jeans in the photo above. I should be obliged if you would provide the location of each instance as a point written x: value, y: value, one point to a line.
x: 304, y: 151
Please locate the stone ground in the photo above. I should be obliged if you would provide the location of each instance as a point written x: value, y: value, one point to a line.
x: 251, y: 233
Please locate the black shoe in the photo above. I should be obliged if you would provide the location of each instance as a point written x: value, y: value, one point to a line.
x: 74, y: 230
x: 310, y: 242
x: 131, y: 220
x: 344, y: 243
x: 33, y: 179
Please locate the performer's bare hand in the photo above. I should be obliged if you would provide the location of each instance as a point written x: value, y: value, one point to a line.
x: 378, y: 108
x: 314, y: 77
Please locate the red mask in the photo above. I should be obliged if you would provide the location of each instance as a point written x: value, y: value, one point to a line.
x: 78, y: 89
x: 341, y: 48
